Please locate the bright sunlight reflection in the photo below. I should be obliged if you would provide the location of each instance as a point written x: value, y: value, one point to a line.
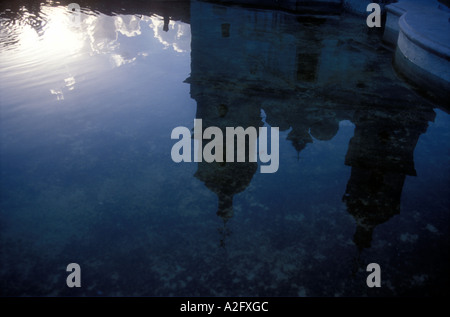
x: 60, y: 36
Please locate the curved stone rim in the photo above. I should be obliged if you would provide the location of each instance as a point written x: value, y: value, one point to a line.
x: 420, y: 40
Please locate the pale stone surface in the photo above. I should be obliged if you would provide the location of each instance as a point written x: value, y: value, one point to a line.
x: 395, y: 10
x: 420, y: 30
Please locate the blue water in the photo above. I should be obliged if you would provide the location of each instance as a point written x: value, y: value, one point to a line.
x: 87, y: 112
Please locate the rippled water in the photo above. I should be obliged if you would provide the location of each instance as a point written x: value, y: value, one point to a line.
x: 87, y: 110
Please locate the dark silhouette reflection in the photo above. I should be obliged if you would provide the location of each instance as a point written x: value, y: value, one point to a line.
x: 237, y: 65
x: 305, y: 122
x: 307, y: 79
x: 166, y: 23
x: 381, y: 155
x: 225, y: 179
x: 372, y: 197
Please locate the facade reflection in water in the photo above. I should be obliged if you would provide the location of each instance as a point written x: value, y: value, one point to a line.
x: 306, y: 80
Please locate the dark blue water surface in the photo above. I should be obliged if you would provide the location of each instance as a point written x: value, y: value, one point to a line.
x: 87, y: 110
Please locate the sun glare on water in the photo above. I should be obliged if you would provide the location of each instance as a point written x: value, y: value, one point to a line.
x: 61, y: 36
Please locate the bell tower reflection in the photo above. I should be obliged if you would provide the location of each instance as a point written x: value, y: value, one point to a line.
x: 232, y: 72
x: 225, y: 179
x: 381, y: 155
x: 225, y: 108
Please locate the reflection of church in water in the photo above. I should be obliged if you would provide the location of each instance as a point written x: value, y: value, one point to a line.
x: 306, y: 79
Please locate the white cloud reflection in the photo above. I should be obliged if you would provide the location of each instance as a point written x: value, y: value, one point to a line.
x: 103, y: 32
x: 177, y: 37
x: 69, y: 84
x: 119, y: 60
